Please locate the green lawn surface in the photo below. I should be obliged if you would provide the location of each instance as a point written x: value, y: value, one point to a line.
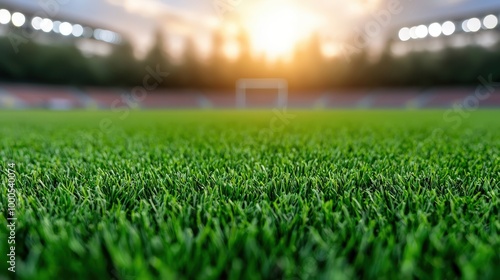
x: 252, y: 194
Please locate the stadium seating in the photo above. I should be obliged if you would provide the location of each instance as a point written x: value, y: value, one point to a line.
x: 170, y: 99
x: 54, y: 97
x: 43, y: 97
x: 441, y: 98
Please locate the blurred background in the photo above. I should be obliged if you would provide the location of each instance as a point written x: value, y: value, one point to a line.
x: 64, y: 54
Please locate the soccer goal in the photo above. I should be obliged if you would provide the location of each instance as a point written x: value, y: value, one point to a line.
x: 243, y: 85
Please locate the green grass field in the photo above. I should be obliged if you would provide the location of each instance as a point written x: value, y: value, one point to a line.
x: 249, y: 195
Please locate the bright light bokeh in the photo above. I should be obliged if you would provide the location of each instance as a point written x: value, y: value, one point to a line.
x: 18, y: 19
x: 490, y: 21
x: 435, y: 29
x: 97, y: 34
x: 465, y: 26
x: 36, y: 22
x: 448, y: 28
x: 404, y: 34
x: 474, y: 24
x: 77, y: 30
x: 46, y: 25
x: 422, y: 31
x: 413, y: 32
x: 65, y: 28
x: 56, y: 26
x: 106, y: 36
x: 4, y: 16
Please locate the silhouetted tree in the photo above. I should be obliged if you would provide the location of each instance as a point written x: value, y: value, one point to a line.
x: 308, y: 69
x: 245, y: 66
x: 158, y: 58
x: 191, y: 69
x: 123, y: 67
x: 220, y: 72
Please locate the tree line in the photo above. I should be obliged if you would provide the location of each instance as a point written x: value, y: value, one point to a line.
x: 308, y: 69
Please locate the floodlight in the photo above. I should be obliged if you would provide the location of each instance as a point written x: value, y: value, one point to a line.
x: 413, y: 32
x: 77, y: 30
x: 404, y: 34
x: 4, y: 16
x: 422, y: 31
x: 18, y: 19
x: 448, y: 28
x: 435, y: 29
x: 65, y: 28
x: 46, y: 25
x: 464, y: 26
x: 474, y: 24
x: 36, y: 22
x: 490, y: 21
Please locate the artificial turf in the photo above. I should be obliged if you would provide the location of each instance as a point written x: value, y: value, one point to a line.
x: 253, y: 195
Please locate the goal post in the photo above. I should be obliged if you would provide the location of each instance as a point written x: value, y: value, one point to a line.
x: 243, y: 84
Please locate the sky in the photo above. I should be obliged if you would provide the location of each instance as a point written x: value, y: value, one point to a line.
x: 338, y: 19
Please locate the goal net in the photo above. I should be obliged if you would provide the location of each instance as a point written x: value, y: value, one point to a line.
x: 244, y: 85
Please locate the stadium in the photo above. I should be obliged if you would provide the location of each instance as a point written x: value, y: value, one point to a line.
x: 266, y: 139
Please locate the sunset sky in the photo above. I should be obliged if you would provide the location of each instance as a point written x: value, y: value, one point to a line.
x: 285, y: 22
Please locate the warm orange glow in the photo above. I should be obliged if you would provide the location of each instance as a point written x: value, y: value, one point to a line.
x: 276, y: 27
x: 231, y: 50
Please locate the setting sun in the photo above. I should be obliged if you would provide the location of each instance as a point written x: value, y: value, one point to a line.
x: 275, y: 28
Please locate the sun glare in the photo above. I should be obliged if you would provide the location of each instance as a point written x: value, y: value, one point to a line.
x: 276, y: 27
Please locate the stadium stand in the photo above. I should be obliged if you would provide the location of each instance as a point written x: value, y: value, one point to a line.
x: 303, y: 99
x: 61, y: 98
x: 348, y: 99
x: 170, y: 99
x: 442, y: 98
x: 493, y: 102
x: 103, y: 98
x: 221, y: 99
x: 401, y: 98
x: 44, y: 97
